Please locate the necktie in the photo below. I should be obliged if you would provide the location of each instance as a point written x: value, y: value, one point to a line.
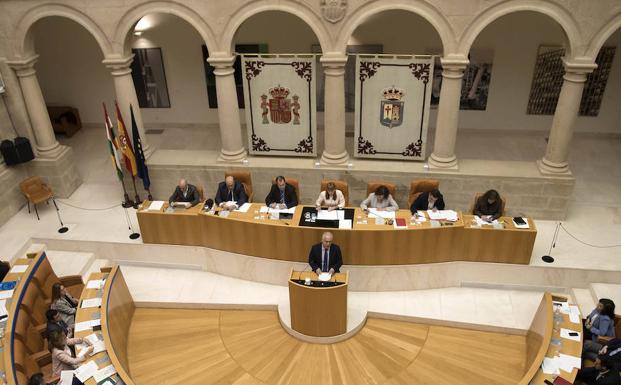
x: 231, y: 195
x: 282, y: 196
x: 325, y: 263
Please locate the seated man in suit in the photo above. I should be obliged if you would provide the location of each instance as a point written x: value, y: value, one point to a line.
x: 230, y: 191
x: 325, y: 257
x: 282, y: 195
x: 428, y: 201
x: 185, y: 192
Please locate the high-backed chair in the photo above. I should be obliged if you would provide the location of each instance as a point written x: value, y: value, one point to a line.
x: 420, y: 186
x: 294, y: 183
x: 372, y: 186
x: 28, y: 366
x: 36, y: 191
x: 35, y: 305
x: 45, y: 278
x: 340, y: 185
x: 245, y: 179
x: 201, y: 193
x: 33, y: 337
x: 503, y: 203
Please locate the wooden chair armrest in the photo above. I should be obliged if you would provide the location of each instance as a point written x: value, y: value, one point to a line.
x: 106, y: 269
x: 43, y: 358
x: 71, y: 280
x: 603, y: 339
x: 42, y: 330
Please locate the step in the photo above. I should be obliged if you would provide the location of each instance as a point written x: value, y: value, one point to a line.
x: 95, y: 267
x: 69, y: 262
x: 584, y: 300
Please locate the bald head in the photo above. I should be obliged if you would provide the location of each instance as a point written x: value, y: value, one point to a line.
x: 326, y: 239
x: 230, y: 181
x: 183, y: 184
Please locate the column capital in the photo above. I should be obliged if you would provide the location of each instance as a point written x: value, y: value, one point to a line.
x: 221, y: 60
x: 576, y: 71
x: 453, y: 66
x: 119, y: 65
x: 24, y: 67
x: 333, y: 60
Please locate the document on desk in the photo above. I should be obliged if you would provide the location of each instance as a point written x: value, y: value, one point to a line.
x: 85, y: 325
x: 375, y: 213
x: 449, y: 215
x: 3, y: 311
x: 5, y: 294
x: 18, y: 269
x: 243, y: 208
x: 91, y: 302
x: 344, y: 223
x: 481, y: 222
x: 95, y: 283
x: 104, y: 373
x: 550, y: 366
x: 66, y: 377
x: 264, y: 209
x: 568, y: 363
x: 328, y: 215
x: 574, y: 314
x: 574, y: 336
x: 156, y: 206
x: 86, y: 371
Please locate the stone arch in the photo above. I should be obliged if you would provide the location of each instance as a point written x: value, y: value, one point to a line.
x: 256, y: 7
x: 553, y: 11
x: 600, y: 37
x: 122, y: 34
x: 421, y: 8
x: 24, y: 41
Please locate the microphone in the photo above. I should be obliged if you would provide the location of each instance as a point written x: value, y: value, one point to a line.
x: 208, y: 203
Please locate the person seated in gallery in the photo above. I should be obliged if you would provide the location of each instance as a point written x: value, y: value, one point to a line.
x: 282, y: 195
x: 331, y: 198
x: 381, y: 199
x: 605, y: 372
x: 230, y: 194
x: 64, y: 304
x: 489, y: 206
x: 185, y: 192
x: 56, y: 324
x: 4, y: 269
x: 37, y: 379
x: 325, y: 257
x: 432, y: 200
x: 62, y: 358
x: 600, y: 323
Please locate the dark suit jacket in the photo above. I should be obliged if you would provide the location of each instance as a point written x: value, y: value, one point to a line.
x: 274, y: 196
x: 483, y: 208
x: 192, y: 195
x: 4, y: 269
x: 422, y: 203
x: 335, y: 258
x: 223, y: 194
x: 60, y: 326
x: 610, y: 378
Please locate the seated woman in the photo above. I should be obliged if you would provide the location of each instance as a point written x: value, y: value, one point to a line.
x: 62, y: 359
x: 380, y: 199
x: 64, y: 303
x: 432, y: 200
x: 332, y: 198
x: 488, y: 206
x: 600, y: 323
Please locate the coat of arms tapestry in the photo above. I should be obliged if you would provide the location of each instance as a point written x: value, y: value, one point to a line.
x: 279, y: 91
x: 392, y: 106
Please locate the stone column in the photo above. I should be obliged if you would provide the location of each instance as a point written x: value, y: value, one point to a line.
x: 46, y: 144
x: 120, y: 68
x: 334, y: 152
x: 228, y: 111
x: 15, y: 106
x: 561, y: 133
x: 443, y: 156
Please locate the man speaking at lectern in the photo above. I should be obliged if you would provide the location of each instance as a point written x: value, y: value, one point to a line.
x: 325, y: 257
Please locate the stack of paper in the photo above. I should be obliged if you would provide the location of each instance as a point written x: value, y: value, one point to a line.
x: 85, y: 325
x: 244, y: 208
x: 574, y: 336
x: 481, y: 222
x: 5, y: 294
x: 3, y: 311
x: 156, y: 206
x: 66, y: 377
x: 18, y: 269
x: 344, y: 223
x: 327, y: 215
x: 553, y: 365
x: 375, y: 213
x: 449, y: 215
x: 86, y: 371
x: 91, y: 302
x: 95, y: 283
x: 104, y: 373
x: 574, y: 314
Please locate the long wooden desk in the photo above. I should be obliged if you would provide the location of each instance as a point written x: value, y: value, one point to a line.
x: 253, y: 233
x: 318, y: 311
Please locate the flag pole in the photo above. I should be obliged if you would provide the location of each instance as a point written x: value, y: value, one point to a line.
x: 128, y: 202
x: 136, y: 198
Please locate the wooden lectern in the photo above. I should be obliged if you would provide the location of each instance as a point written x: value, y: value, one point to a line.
x: 318, y: 311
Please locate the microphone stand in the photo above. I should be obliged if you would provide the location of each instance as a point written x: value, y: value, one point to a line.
x: 133, y: 234
x: 63, y: 229
x: 548, y: 257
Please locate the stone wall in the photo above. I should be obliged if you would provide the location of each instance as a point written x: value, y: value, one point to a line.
x: 60, y: 173
x: 10, y: 196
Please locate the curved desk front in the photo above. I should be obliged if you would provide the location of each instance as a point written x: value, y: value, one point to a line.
x: 254, y: 234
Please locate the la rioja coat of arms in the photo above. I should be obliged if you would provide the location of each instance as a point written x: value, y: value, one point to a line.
x: 391, y: 107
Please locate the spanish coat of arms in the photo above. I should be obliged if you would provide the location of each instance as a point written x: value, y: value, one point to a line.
x: 281, y: 108
x: 391, y: 107
x: 333, y: 10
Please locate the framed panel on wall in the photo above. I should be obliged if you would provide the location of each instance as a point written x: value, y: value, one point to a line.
x: 548, y: 80
x: 239, y: 79
x: 150, y: 78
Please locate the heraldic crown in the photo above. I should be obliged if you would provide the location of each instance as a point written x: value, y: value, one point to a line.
x: 279, y: 92
x: 393, y: 93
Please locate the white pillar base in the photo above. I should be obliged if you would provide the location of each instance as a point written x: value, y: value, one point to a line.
x: 550, y: 168
x: 440, y: 163
x: 49, y: 152
x: 334, y: 159
x: 232, y: 157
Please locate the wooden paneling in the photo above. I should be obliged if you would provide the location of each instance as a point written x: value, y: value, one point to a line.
x: 250, y: 347
x: 538, y: 338
x: 318, y: 311
x: 365, y: 244
x: 117, y: 312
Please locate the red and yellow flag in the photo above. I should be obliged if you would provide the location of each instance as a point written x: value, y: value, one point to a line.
x: 125, y: 144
